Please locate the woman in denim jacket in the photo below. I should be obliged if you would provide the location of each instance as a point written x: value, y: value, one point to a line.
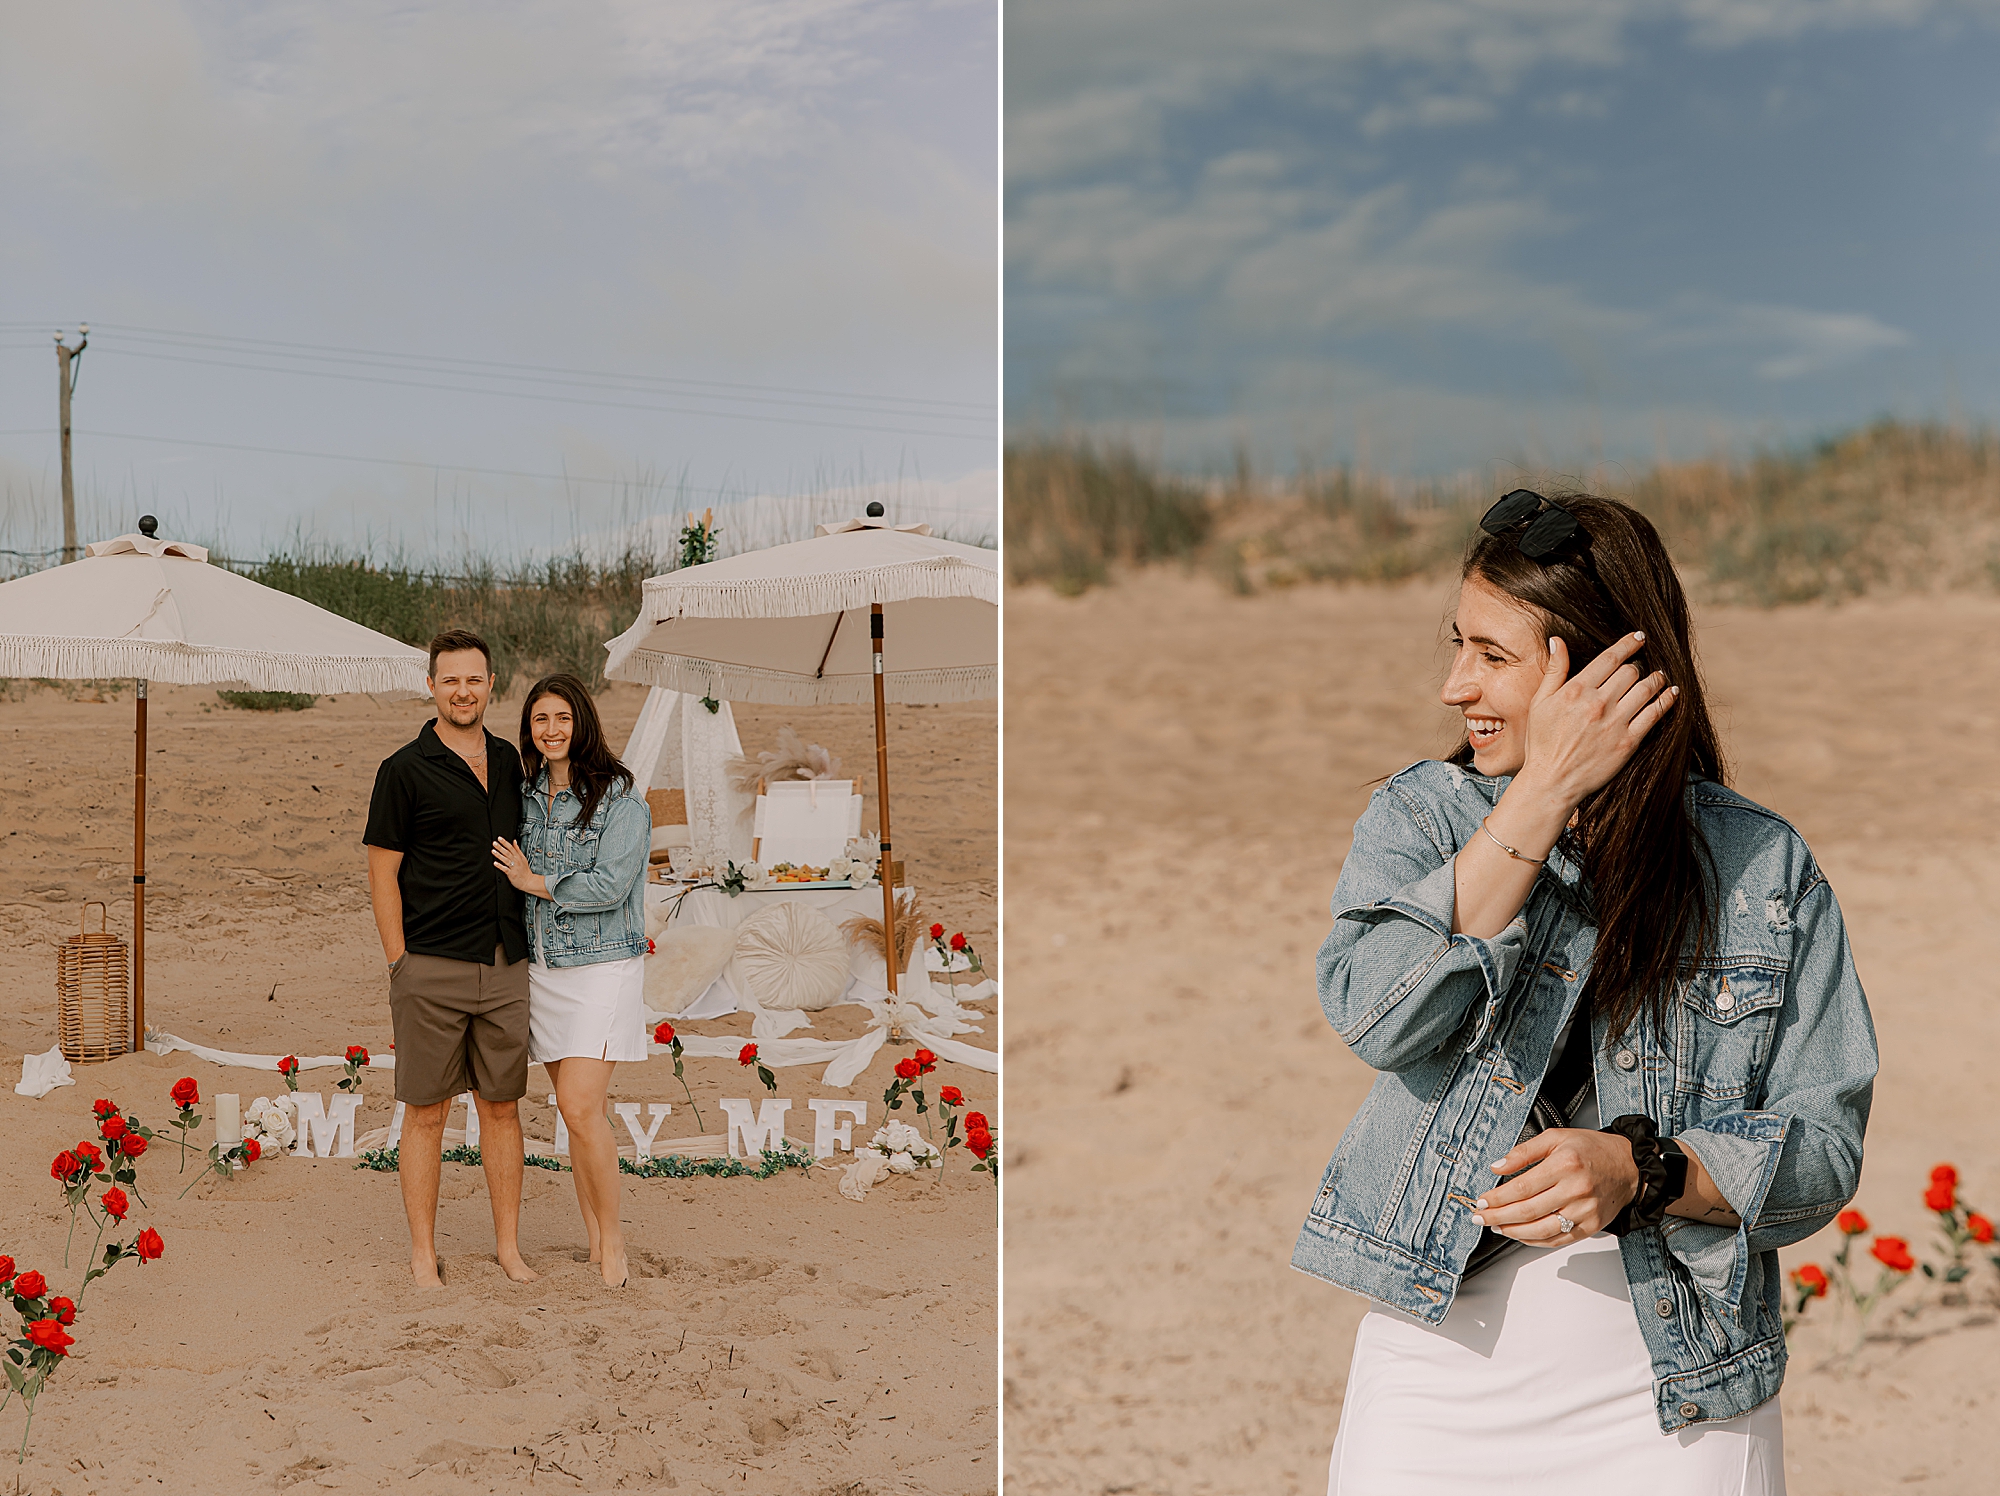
x: 582, y: 862
x: 1579, y: 858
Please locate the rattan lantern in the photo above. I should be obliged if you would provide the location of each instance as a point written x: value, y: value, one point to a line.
x: 91, y: 989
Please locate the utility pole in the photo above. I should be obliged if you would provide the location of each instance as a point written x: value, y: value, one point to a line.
x: 67, y: 369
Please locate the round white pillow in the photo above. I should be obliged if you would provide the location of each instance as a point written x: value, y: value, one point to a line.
x: 685, y: 960
x: 791, y: 957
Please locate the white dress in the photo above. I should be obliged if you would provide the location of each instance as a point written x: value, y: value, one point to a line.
x: 587, y: 1012
x: 1537, y: 1383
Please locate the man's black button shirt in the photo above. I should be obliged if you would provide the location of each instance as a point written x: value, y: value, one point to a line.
x: 428, y: 805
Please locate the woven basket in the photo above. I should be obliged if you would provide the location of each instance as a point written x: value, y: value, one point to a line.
x: 92, y: 967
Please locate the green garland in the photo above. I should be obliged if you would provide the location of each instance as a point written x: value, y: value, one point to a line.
x: 671, y: 1166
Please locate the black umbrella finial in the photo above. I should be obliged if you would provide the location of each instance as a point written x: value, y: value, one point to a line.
x: 875, y: 509
x: 148, y: 526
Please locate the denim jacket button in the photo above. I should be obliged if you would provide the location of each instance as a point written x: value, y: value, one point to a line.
x: 1626, y: 1060
x: 1665, y: 1308
x: 1690, y: 1410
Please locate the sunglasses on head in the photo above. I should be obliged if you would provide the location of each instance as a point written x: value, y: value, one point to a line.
x: 1553, y: 526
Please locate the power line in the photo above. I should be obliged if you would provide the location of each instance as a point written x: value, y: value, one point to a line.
x: 417, y: 384
x: 448, y: 364
x: 411, y: 462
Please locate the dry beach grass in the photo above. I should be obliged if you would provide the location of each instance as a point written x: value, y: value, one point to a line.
x: 776, y: 1338
x: 1175, y: 1090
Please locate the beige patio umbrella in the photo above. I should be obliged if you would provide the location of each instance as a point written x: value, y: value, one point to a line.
x: 155, y: 610
x: 865, y: 611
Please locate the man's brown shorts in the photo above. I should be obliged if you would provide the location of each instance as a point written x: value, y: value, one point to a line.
x: 460, y: 1026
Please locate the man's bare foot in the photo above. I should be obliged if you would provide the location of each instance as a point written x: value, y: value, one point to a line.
x: 426, y: 1271
x: 518, y: 1270
x: 615, y: 1270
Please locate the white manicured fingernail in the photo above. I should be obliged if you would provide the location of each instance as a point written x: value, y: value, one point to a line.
x: 1479, y: 1220
x: 1636, y: 634
x: 1479, y: 1204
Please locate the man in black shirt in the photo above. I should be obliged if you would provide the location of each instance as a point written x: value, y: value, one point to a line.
x: 452, y: 930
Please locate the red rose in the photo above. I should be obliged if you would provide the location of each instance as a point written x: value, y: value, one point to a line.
x: 6, y: 1269
x: 356, y: 1055
x: 104, y: 1109
x: 951, y: 1096
x: 1852, y: 1222
x: 252, y: 1150
x: 1939, y: 1196
x: 185, y: 1093
x: 65, y: 1165
x: 980, y: 1143
x: 149, y: 1245
x: 133, y: 1144
x: 63, y: 1309
x: 1944, y: 1174
x: 1893, y: 1253
x: 958, y: 941
x: 289, y: 1065
x: 115, y: 1204
x: 1809, y: 1279
x: 937, y: 932
x: 1977, y: 1224
x: 47, y: 1335
x: 926, y: 1061
x: 906, y: 1070
x: 30, y: 1285
x: 749, y: 1055
x: 664, y: 1034
x: 113, y: 1128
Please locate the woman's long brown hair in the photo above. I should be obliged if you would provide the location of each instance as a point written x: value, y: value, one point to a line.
x: 1646, y: 866
x: 593, y: 768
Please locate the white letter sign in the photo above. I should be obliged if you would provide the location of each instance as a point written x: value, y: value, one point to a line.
x: 324, y: 1134
x: 828, y: 1131
x: 768, y: 1131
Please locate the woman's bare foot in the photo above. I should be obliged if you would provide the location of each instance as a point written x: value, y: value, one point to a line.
x: 615, y: 1270
x: 426, y: 1271
x: 517, y: 1270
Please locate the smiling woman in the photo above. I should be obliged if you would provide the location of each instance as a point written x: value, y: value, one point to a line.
x: 1547, y: 929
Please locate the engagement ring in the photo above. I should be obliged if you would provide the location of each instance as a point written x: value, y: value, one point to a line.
x: 1565, y: 1222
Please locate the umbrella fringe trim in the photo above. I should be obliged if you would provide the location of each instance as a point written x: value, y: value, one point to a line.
x: 176, y: 664
x: 942, y: 577
x: 777, y: 688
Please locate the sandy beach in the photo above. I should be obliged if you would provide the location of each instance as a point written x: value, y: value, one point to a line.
x: 1185, y: 768
x: 776, y: 1337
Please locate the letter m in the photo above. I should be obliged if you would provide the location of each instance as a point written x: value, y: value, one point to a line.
x: 768, y: 1131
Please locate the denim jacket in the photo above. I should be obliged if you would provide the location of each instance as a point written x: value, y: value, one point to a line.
x: 1767, y: 1074
x: 596, y: 908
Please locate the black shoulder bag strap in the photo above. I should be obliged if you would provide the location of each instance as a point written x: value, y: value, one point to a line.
x: 1559, y: 1099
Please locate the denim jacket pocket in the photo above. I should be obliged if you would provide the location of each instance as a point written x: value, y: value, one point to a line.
x: 1725, y: 1017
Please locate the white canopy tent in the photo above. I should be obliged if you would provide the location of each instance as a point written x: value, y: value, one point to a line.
x: 862, y: 612
x: 154, y: 610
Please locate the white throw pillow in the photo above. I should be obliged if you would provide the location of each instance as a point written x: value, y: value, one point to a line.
x: 686, y: 959
x: 792, y: 958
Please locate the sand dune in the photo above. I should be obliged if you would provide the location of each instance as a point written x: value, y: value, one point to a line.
x: 1184, y: 771
x: 775, y: 1338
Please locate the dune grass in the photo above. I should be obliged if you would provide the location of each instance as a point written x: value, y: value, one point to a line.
x: 1893, y: 506
x: 537, y: 619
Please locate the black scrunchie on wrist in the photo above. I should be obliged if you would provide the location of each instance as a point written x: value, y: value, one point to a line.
x: 1649, y: 1206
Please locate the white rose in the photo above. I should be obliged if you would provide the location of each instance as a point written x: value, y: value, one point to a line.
x: 902, y: 1163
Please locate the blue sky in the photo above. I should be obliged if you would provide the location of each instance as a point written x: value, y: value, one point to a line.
x: 765, y: 231
x: 1431, y: 235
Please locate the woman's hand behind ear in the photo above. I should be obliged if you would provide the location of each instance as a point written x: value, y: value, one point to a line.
x: 1583, y: 729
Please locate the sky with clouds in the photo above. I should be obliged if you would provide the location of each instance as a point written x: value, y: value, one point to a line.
x: 1428, y: 235
x: 510, y: 271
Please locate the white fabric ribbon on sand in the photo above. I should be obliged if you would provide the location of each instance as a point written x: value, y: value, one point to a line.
x: 160, y: 1043
x: 42, y: 1073
x: 930, y: 1019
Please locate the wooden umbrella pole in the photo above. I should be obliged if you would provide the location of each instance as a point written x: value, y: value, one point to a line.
x: 139, y: 880
x: 882, y: 799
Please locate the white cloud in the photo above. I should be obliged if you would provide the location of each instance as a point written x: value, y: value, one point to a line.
x: 1780, y: 342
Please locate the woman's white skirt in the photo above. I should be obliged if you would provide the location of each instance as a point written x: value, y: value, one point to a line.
x: 1537, y: 1383
x: 595, y: 1012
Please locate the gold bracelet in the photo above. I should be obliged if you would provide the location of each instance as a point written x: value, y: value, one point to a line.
x: 1531, y: 861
